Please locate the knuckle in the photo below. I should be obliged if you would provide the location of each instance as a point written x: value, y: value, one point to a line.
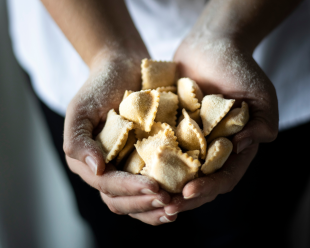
x: 68, y: 148
x: 70, y: 165
x: 71, y: 105
x: 101, y: 188
x: 232, y: 186
x: 72, y: 168
x: 132, y: 216
x: 209, y: 199
x: 272, y: 133
x: 139, y: 207
x: 110, y: 195
x: 230, y: 189
x: 113, y: 209
x: 155, y: 224
x: 125, y: 190
x: 213, y: 198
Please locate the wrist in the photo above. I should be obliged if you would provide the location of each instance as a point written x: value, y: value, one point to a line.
x: 216, y: 44
x: 127, y: 57
x: 235, y: 20
x: 214, y: 31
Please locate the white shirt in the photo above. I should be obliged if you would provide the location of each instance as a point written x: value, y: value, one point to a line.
x: 57, y: 71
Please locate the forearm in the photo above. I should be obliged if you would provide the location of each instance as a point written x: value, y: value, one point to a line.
x: 247, y: 22
x: 96, y: 27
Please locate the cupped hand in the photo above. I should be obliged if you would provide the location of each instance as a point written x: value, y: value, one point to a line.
x: 224, y: 66
x: 123, y: 192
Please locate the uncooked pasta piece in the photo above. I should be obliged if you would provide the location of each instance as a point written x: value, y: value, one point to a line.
x: 156, y: 128
x: 129, y: 146
x: 114, y: 135
x: 127, y: 93
x: 232, y: 123
x: 213, y: 109
x: 194, y: 154
x: 171, y: 168
x: 194, y: 115
x: 157, y: 74
x: 190, y: 136
x: 134, y: 163
x: 173, y: 89
x: 140, y: 108
x: 217, y: 154
x: 189, y: 93
x: 167, y: 108
x: 146, y: 147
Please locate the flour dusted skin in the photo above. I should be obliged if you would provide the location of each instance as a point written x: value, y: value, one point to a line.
x: 144, y: 136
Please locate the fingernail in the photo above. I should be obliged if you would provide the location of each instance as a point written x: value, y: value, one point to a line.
x: 171, y: 214
x: 243, y: 144
x: 158, y: 204
x: 147, y: 192
x: 192, y: 196
x: 91, y: 163
x: 164, y: 219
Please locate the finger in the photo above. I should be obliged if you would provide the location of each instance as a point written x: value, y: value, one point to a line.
x: 79, y: 142
x: 255, y: 132
x: 136, y: 204
x: 112, y: 182
x: 205, y: 189
x: 154, y: 217
x: 179, y: 204
x: 263, y: 124
x: 225, y: 179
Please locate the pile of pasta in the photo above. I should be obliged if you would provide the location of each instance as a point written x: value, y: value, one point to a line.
x: 149, y: 138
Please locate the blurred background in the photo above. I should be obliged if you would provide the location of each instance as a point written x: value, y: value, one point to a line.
x: 37, y: 207
x: 36, y: 202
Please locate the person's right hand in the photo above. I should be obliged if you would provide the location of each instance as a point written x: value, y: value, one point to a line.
x: 123, y: 192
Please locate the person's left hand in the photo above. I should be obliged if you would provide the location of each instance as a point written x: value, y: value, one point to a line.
x: 223, y: 66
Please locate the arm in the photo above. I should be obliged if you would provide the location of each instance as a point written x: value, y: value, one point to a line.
x: 104, y: 35
x: 217, y: 54
x: 245, y: 22
x: 94, y: 27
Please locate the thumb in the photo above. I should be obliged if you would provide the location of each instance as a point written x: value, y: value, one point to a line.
x: 79, y: 143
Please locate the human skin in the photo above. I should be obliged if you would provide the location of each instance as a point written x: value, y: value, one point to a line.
x: 103, y: 34
x: 217, y: 54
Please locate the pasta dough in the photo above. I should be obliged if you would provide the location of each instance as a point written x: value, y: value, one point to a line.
x: 167, y: 108
x: 194, y: 115
x: 152, y: 148
x: 171, y: 168
x: 232, y: 123
x: 129, y: 146
x: 189, y: 93
x: 194, y: 154
x: 218, y: 152
x: 140, y: 108
x: 213, y: 109
x: 134, y: 163
x: 114, y: 135
x: 156, y: 128
x: 146, y: 147
x: 157, y: 74
x: 189, y: 135
x: 172, y: 89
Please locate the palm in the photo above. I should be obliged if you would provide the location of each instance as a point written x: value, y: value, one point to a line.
x: 219, y: 66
